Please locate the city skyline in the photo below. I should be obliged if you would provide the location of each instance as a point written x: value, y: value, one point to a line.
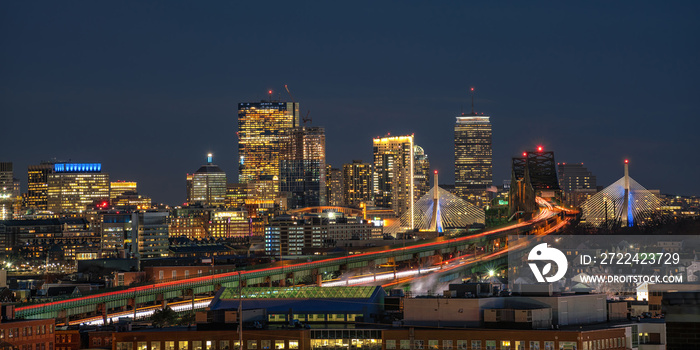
x: 555, y: 76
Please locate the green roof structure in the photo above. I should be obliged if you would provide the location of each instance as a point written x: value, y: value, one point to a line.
x: 351, y: 292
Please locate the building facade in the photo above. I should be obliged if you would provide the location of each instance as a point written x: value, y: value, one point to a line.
x: 115, y: 230
x: 473, y: 154
x: 575, y: 179
x: 7, y: 197
x: 73, y: 187
x: 335, y: 187
x: 207, y: 186
x: 117, y: 188
x: 394, y: 171
x: 303, y: 166
x: 149, y: 234
x: 260, y: 126
x: 27, y: 334
x: 421, y: 179
x: 357, y: 181
x: 38, y: 185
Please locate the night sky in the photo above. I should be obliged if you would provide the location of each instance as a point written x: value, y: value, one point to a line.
x: 149, y: 89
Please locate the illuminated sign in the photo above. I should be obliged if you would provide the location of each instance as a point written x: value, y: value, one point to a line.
x: 77, y: 167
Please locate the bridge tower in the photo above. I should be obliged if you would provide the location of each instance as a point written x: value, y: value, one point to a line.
x: 627, y: 199
x: 436, y: 220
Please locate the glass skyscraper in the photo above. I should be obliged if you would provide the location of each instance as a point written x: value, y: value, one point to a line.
x: 421, y: 165
x: 207, y: 186
x: 357, y: 179
x: 303, y: 166
x: 6, y: 190
x: 393, y: 173
x: 473, y: 154
x: 38, y: 185
x: 260, y: 126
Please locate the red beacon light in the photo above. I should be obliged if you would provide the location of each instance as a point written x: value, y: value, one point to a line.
x: 627, y: 161
x: 435, y: 171
x: 539, y: 148
x: 524, y: 154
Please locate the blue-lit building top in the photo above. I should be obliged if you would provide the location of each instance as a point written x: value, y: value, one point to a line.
x: 77, y: 167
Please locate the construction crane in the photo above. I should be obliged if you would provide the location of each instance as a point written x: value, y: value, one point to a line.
x: 303, y: 119
x: 290, y: 94
x: 306, y: 119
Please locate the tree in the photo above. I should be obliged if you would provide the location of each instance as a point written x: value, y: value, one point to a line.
x: 164, y: 317
x: 187, y: 319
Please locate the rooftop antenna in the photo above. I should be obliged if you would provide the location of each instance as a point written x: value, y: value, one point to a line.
x: 472, y: 91
x: 269, y: 93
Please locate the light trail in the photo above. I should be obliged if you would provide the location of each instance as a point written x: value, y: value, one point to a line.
x: 401, y: 277
x: 144, y: 312
x: 546, y: 212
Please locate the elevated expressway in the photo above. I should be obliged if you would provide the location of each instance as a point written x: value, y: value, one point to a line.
x: 108, y: 303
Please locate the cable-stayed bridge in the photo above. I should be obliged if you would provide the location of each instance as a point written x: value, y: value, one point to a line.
x: 624, y: 203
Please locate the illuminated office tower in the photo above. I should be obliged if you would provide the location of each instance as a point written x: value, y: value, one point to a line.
x: 207, y: 186
x: 118, y: 188
x: 38, y: 185
x: 393, y: 173
x: 303, y: 166
x: 260, y: 126
x: 357, y: 181
x: 72, y: 187
x: 421, y: 179
x: 237, y: 194
x: 335, y: 189
x: 473, y: 157
x: 7, y: 187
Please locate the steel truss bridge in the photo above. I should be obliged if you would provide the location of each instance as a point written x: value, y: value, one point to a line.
x: 105, y: 303
x: 533, y: 175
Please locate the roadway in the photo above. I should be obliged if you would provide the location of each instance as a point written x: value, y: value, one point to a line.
x: 200, y: 285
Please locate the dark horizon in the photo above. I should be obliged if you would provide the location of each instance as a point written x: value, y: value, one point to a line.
x: 149, y: 89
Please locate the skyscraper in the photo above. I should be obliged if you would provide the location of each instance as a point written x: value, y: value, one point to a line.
x: 72, y: 187
x: 207, y: 186
x: 357, y: 179
x: 38, y: 185
x: 335, y: 189
x: 576, y: 182
x: 393, y: 173
x: 421, y: 179
x: 473, y: 156
x: 303, y: 165
x: 574, y: 176
x: 149, y: 234
x: 260, y: 126
x: 6, y: 190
